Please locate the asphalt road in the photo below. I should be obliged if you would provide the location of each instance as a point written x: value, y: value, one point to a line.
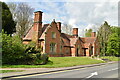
x: 104, y: 71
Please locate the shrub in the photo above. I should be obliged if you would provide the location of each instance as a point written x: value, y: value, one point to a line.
x: 15, y: 52
x: 35, y: 56
x: 12, y: 49
x: 44, y: 58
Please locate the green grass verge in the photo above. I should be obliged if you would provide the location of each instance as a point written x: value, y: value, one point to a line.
x: 6, y: 71
x: 56, y: 62
x: 111, y: 58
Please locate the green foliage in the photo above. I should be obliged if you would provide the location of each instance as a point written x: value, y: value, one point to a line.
x: 103, y: 35
x: 116, y: 30
x: 113, y: 47
x: 12, y: 49
x: 7, y: 21
x: 44, y: 58
x: 15, y: 52
x: 88, y: 33
x: 109, y: 38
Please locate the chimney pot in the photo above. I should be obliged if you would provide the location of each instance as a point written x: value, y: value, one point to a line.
x: 75, y: 32
x: 38, y: 16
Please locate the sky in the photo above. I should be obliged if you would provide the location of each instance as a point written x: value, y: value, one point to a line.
x: 82, y: 14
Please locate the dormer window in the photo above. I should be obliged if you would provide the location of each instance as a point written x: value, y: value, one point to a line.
x: 53, y: 35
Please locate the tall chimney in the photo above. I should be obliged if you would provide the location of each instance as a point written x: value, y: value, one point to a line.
x: 75, y: 32
x: 37, y: 26
x: 59, y: 26
x: 93, y: 34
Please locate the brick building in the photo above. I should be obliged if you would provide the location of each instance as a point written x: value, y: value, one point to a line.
x: 55, y: 43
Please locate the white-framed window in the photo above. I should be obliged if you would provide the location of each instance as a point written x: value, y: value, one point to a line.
x: 52, y: 47
x: 53, y: 35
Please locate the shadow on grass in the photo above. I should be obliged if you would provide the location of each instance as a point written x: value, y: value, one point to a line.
x: 49, y: 62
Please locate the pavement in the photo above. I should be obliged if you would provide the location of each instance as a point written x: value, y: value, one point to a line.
x: 34, y: 71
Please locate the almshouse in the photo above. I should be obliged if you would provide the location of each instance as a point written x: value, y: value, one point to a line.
x: 55, y: 43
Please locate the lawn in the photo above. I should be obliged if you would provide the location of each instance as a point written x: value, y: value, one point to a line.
x: 6, y: 71
x: 56, y: 62
x: 111, y: 58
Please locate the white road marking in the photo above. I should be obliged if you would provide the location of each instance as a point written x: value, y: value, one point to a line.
x: 92, y: 74
x: 113, y: 69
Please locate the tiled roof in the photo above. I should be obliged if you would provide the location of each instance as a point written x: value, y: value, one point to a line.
x: 63, y: 35
x: 88, y: 39
x: 65, y: 39
x: 29, y: 34
x: 44, y: 27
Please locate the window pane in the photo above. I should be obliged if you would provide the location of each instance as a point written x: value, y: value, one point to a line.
x: 52, y: 47
x: 53, y: 35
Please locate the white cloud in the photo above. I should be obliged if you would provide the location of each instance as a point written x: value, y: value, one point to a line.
x: 81, y: 32
x: 83, y: 14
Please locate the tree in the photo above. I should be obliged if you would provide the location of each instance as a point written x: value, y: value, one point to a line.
x: 67, y: 29
x: 8, y: 23
x: 116, y: 29
x: 88, y: 33
x: 113, y: 47
x: 22, y: 14
x: 103, y: 35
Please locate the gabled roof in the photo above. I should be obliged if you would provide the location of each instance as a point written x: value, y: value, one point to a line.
x: 44, y: 27
x: 65, y: 39
x: 63, y: 35
x: 88, y: 39
x: 29, y: 34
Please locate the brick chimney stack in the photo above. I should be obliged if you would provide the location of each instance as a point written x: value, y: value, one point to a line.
x: 37, y: 26
x: 59, y: 26
x: 93, y: 34
x: 75, y: 32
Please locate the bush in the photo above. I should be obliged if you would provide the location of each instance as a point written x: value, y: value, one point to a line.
x: 44, y: 58
x: 15, y: 52
x: 12, y: 49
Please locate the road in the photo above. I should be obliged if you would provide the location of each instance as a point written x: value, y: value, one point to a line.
x: 104, y: 71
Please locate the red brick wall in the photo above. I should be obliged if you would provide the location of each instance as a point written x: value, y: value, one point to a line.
x: 79, y: 46
x: 49, y: 39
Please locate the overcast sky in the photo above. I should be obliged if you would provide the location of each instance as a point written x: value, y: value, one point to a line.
x: 83, y: 14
